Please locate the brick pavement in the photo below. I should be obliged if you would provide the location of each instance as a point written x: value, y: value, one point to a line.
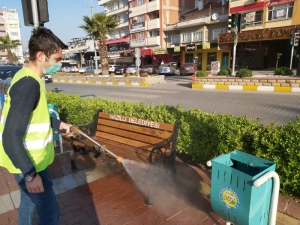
x: 115, y: 199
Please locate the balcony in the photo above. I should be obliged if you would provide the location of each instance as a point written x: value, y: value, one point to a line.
x: 195, y: 22
x: 153, y: 24
x: 117, y: 11
x: 102, y: 2
x: 153, y: 41
x: 145, y: 8
x: 2, y: 28
x: 122, y: 24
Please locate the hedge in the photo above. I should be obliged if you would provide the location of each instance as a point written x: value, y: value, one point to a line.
x: 203, y: 136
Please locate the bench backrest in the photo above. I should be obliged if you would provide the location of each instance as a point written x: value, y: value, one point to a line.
x: 135, y: 132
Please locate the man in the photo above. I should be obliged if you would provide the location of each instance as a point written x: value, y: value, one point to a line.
x: 26, y: 146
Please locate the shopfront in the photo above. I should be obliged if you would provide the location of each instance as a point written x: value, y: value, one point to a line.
x: 203, y: 54
x: 118, y: 52
x: 257, y: 49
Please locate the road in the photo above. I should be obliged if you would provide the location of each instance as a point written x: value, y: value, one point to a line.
x: 268, y: 106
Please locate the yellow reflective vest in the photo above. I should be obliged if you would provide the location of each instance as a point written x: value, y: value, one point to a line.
x: 38, y: 137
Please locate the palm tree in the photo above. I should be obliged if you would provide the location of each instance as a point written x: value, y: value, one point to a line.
x: 15, y: 58
x: 7, y: 44
x: 98, y: 26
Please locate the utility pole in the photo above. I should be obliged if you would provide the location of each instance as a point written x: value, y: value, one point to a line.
x: 35, y: 14
x: 235, y: 39
x: 94, y: 41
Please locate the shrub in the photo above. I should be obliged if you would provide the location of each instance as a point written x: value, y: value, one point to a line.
x: 244, y: 73
x: 223, y: 72
x: 112, y: 74
x: 229, y: 71
x: 202, y: 136
x: 285, y: 71
x: 201, y: 73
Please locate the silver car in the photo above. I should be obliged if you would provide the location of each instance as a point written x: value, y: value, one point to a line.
x: 131, y: 69
x: 166, y: 69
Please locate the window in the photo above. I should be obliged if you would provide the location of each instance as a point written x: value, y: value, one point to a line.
x: 12, y: 25
x: 140, y: 2
x: 280, y: 11
x: 252, y: 18
x: 217, y: 32
x: 2, y: 33
x: 186, y: 37
x: 153, y: 33
x: 141, y: 18
x: 131, y: 4
x: 175, y: 40
x: 197, y: 36
x: 141, y: 34
x: 133, y: 36
x: 111, y: 7
x: 14, y: 33
x: 211, y: 56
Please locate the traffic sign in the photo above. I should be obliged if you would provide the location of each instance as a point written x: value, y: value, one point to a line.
x: 138, y: 62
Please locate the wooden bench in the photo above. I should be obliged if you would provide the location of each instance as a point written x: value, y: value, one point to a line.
x: 131, y: 138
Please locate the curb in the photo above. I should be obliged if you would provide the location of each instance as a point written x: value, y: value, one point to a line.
x: 246, y: 88
x: 142, y: 84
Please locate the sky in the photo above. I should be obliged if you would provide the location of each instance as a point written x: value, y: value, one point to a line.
x: 64, y: 18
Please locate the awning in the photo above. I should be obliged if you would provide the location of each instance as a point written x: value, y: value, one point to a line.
x: 146, y: 51
x: 119, y: 40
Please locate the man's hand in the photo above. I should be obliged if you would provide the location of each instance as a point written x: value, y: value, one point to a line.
x: 36, y: 186
x: 65, y: 126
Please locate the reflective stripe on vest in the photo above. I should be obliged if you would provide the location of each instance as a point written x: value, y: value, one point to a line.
x: 38, y: 136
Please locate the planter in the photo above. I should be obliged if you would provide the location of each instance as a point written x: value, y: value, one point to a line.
x: 271, y: 83
x: 110, y: 80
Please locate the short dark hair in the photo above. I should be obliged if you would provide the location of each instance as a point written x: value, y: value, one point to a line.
x: 43, y: 39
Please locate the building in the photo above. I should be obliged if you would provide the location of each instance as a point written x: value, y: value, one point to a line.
x: 118, y: 42
x: 194, y: 37
x: 9, y: 24
x: 267, y: 29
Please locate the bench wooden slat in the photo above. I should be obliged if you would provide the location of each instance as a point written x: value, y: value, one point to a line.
x: 162, y: 126
x: 127, y: 141
x: 153, y: 140
x: 133, y: 128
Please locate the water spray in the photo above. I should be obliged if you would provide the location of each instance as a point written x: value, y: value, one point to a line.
x: 76, y: 130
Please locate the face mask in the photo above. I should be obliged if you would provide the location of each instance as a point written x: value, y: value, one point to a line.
x: 54, y: 68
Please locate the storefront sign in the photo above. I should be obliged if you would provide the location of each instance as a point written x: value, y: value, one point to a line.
x: 191, y: 47
x: 138, y: 42
x: 157, y: 51
x: 248, y: 7
x: 251, y: 51
x: 177, y: 49
x: 170, y: 50
x: 119, y: 40
x: 137, y: 27
x: 250, y: 17
x: 146, y: 52
x: 224, y: 46
x: 206, y: 45
x: 277, y: 2
x: 258, y: 35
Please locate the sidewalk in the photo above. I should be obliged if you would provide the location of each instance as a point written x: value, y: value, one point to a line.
x: 101, y: 192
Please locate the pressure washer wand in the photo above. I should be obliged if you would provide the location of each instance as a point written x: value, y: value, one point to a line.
x: 76, y: 130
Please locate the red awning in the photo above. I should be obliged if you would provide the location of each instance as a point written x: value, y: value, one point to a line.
x: 119, y: 40
x: 241, y: 8
x: 146, y: 51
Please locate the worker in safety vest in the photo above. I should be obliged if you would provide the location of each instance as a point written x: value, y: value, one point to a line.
x: 26, y: 145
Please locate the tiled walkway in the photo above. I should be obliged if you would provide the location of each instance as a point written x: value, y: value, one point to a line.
x: 103, y: 192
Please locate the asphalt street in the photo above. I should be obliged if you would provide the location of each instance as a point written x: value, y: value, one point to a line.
x: 267, y: 106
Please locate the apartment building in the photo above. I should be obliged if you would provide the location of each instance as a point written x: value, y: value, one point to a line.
x: 118, y: 42
x: 194, y: 37
x: 268, y: 25
x: 147, y: 19
x: 9, y: 24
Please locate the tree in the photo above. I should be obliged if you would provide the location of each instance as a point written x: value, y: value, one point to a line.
x: 7, y: 44
x: 98, y: 26
x: 15, y: 58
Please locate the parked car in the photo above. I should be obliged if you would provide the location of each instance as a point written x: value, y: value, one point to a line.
x: 74, y: 69
x: 150, y: 69
x: 111, y: 68
x: 119, y: 70
x: 166, y: 69
x: 131, y: 69
x: 8, y: 71
x: 173, y: 64
x: 48, y: 79
x: 187, y: 69
x: 82, y: 69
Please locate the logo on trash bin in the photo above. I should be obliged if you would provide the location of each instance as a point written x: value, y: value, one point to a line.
x: 229, y: 198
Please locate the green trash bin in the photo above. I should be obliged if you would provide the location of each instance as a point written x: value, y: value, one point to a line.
x: 233, y: 195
